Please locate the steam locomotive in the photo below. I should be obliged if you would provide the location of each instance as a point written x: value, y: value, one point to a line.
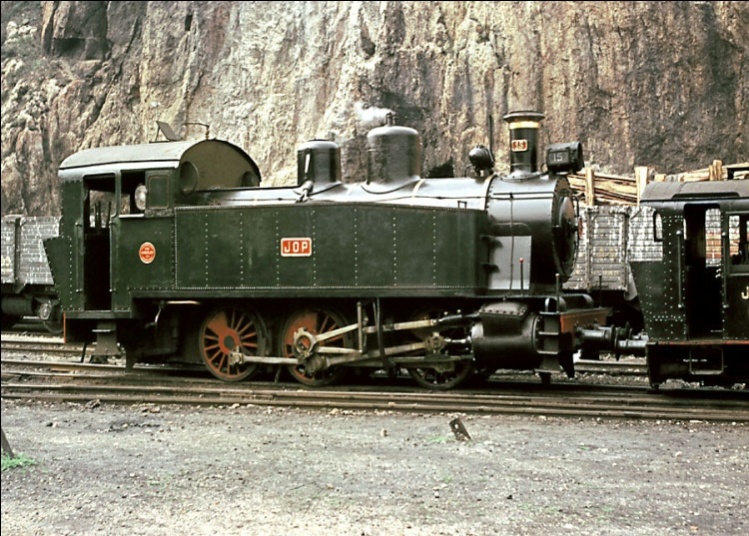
x: 173, y: 250
x: 691, y: 266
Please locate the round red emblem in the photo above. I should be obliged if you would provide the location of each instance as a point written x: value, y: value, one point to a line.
x: 147, y: 253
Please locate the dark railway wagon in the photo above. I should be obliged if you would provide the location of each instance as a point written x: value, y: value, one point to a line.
x: 27, y: 284
x: 602, y: 264
x: 174, y: 250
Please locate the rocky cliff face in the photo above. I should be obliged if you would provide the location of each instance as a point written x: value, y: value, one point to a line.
x: 664, y: 84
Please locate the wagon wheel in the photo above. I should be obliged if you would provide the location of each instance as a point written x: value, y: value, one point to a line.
x: 440, y: 377
x: 54, y: 327
x: 226, y: 335
x: 316, y: 321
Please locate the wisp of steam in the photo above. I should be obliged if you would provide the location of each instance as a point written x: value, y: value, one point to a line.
x: 371, y: 116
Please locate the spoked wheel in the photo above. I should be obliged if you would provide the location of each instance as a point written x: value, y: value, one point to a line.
x: 226, y: 336
x: 316, y: 321
x: 442, y: 377
x: 445, y: 375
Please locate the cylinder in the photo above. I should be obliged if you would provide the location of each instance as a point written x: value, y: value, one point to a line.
x: 319, y: 161
x: 524, y: 128
x: 506, y: 337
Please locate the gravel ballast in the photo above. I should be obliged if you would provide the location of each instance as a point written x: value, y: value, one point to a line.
x: 150, y: 470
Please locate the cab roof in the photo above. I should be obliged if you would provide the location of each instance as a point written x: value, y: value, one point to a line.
x: 674, y: 191
x: 215, y: 163
x: 172, y: 151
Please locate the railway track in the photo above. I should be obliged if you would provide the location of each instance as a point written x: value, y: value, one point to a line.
x: 54, y: 346
x: 84, y: 383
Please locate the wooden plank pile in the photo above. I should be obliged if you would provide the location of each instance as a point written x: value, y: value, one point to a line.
x: 606, y: 189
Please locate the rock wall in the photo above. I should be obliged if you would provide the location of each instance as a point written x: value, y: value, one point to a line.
x: 663, y: 84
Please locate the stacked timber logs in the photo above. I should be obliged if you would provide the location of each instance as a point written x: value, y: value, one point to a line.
x: 606, y: 189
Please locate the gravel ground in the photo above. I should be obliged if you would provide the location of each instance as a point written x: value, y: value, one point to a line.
x: 147, y: 470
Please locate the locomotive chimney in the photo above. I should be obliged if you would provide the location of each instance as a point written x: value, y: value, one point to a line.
x: 524, y: 127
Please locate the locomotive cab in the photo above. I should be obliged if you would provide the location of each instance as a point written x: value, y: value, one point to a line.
x: 106, y: 190
x: 691, y: 268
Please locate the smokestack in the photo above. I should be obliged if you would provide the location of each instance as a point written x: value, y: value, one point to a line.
x: 524, y: 127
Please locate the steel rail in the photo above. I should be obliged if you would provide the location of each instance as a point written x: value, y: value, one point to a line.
x: 638, y: 406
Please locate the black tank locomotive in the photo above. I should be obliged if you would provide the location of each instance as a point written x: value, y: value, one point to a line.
x: 173, y: 250
x: 691, y: 268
